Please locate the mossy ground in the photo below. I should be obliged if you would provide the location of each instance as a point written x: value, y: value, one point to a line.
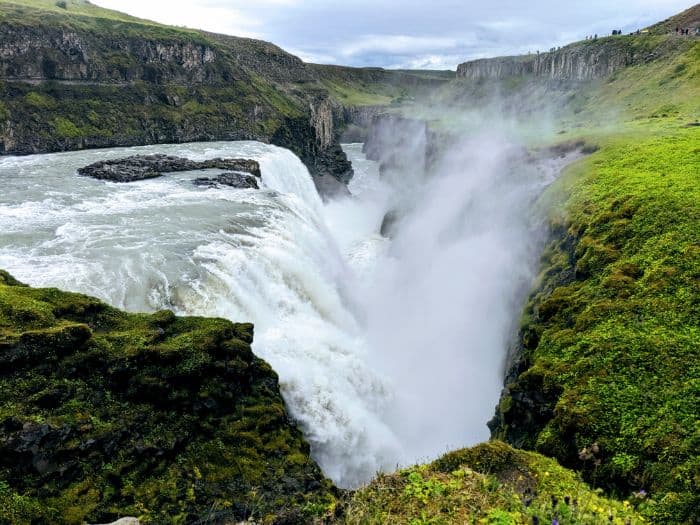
x: 105, y: 414
x: 610, y: 339
x: 488, y: 484
x: 612, y: 334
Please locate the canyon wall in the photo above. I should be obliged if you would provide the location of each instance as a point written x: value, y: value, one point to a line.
x: 583, y: 61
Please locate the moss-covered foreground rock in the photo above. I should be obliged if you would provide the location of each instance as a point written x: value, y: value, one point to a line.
x: 105, y: 414
x: 491, y: 483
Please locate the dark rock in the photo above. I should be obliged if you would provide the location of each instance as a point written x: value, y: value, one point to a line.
x: 140, y: 167
x: 329, y: 187
x: 389, y: 223
x: 235, y: 179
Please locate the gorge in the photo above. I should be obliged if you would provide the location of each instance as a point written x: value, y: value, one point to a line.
x: 286, y: 262
x: 344, y: 273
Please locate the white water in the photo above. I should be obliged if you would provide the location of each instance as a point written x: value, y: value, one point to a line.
x: 388, y: 352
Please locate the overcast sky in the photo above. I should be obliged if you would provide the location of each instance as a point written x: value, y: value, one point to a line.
x: 435, y: 34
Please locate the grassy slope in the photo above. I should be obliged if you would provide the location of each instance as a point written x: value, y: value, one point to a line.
x: 80, y: 7
x: 491, y: 484
x: 376, y: 86
x: 82, y: 15
x: 105, y: 414
x: 612, y: 332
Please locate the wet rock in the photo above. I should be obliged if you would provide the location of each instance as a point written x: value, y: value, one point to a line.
x: 235, y: 179
x: 329, y: 187
x: 389, y: 223
x: 140, y: 167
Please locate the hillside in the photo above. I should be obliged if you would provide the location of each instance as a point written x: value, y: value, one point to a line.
x: 74, y: 76
x: 604, y: 376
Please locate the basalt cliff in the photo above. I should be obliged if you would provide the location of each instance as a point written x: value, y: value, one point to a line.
x: 595, y: 58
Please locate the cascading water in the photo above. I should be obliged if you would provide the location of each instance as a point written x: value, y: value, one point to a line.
x: 263, y: 256
x: 388, y: 351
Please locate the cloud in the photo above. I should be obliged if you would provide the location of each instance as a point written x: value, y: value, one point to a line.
x: 400, y: 45
x: 411, y: 33
x: 211, y: 16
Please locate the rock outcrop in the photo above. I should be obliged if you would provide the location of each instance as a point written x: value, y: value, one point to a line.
x: 235, y: 179
x: 583, y: 61
x: 105, y: 414
x: 140, y: 167
x: 397, y: 143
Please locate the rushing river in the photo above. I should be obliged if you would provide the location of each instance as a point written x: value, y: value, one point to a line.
x: 388, y: 351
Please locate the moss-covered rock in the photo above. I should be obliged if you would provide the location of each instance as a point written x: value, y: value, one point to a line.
x: 491, y: 484
x: 105, y: 414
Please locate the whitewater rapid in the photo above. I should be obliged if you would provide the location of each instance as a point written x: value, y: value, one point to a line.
x: 388, y: 351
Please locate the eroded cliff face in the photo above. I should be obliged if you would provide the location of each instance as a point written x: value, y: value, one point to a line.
x: 68, y: 55
x: 590, y: 60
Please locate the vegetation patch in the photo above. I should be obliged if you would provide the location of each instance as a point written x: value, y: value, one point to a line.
x: 488, y: 484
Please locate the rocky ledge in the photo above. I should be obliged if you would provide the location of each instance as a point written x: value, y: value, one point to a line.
x: 140, y: 167
x: 106, y: 414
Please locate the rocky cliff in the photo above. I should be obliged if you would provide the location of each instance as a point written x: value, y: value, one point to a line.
x: 582, y: 61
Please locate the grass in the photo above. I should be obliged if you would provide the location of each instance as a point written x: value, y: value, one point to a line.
x: 488, y: 484
x: 361, y: 95
x: 83, y: 15
x: 356, y: 87
x: 78, y: 7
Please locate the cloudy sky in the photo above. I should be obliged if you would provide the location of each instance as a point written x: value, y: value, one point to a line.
x: 435, y: 34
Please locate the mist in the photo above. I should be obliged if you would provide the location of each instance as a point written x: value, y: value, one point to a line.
x: 441, y: 296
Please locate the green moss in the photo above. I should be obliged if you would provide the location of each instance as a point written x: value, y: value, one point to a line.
x: 619, y: 337
x: 490, y: 484
x: 105, y: 414
x: 64, y: 128
x: 39, y: 100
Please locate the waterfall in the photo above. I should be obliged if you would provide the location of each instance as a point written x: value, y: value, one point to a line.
x: 388, y: 351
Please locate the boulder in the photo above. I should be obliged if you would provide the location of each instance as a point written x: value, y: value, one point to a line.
x: 235, y: 179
